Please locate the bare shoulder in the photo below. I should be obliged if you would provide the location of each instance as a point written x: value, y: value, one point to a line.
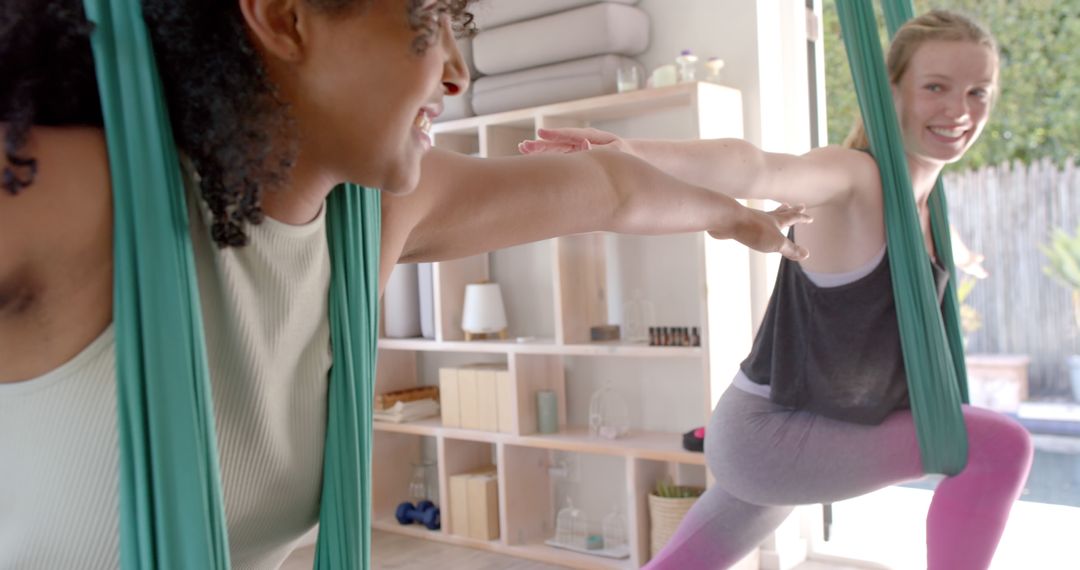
x: 67, y: 209
x: 858, y: 168
x: 860, y: 164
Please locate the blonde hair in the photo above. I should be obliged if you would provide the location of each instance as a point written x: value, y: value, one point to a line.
x: 941, y: 25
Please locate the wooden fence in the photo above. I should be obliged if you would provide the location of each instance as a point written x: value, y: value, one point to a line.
x: 1005, y: 212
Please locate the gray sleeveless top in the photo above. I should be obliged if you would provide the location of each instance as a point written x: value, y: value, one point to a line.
x: 834, y: 351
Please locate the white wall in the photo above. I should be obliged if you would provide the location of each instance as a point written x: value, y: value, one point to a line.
x: 762, y: 43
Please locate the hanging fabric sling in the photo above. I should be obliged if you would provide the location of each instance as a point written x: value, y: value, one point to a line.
x: 171, y: 511
x: 933, y: 350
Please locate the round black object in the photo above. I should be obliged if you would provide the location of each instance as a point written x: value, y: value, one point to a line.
x: 694, y: 440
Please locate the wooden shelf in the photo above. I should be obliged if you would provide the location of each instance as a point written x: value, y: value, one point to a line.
x: 389, y: 524
x: 602, y: 108
x: 543, y: 346
x: 656, y: 446
x: 557, y: 290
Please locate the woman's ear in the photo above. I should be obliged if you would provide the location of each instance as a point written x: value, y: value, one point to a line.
x: 275, y: 26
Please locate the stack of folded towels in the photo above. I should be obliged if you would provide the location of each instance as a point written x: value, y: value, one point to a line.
x: 407, y: 411
x: 530, y: 53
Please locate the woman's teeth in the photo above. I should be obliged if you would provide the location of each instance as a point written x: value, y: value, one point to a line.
x: 950, y: 133
x: 423, y: 122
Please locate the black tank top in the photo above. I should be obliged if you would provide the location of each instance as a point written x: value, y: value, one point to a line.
x: 834, y: 350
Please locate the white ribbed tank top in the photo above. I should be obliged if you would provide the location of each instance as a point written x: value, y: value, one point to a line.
x: 268, y: 342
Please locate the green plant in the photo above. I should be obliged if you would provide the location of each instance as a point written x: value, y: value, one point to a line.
x: 1063, y: 253
x: 669, y: 490
x: 970, y: 319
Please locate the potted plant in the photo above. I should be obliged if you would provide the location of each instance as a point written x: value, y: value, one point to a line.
x: 668, y: 505
x: 970, y: 319
x: 1063, y: 254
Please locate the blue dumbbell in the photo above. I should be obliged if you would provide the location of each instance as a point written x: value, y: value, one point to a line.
x: 425, y: 513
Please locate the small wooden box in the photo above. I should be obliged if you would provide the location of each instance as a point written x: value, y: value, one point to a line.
x: 483, y: 497
x: 469, y: 398
x: 487, y: 399
x: 459, y: 504
x: 450, y: 404
x: 505, y: 395
x: 474, y: 504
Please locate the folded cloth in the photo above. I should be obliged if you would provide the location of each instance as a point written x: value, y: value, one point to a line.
x: 408, y: 411
x: 494, y: 13
x: 567, y: 81
x: 597, y: 29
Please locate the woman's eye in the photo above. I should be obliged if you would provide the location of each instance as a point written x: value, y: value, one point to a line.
x: 981, y: 93
x: 934, y: 88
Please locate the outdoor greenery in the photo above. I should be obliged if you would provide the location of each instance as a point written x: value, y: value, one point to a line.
x: 1036, y: 115
x: 1063, y: 253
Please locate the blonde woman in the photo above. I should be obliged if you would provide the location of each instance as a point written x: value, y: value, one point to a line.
x: 819, y: 409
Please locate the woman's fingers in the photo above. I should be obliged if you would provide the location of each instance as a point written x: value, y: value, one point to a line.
x: 793, y: 251
x: 787, y: 216
x: 542, y: 146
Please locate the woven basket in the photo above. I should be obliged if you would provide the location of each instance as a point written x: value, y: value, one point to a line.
x: 665, y: 514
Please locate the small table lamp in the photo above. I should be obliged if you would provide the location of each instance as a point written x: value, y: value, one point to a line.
x: 483, y: 315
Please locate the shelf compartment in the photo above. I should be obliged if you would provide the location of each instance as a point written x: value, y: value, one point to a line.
x: 654, y: 446
x: 523, y: 272
x: 464, y: 142
x: 525, y: 494
x: 542, y: 346
x: 580, y: 286
x: 450, y: 279
x: 641, y: 481
x: 390, y: 482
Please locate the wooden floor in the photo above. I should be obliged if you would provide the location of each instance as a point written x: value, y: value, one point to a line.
x: 391, y: 551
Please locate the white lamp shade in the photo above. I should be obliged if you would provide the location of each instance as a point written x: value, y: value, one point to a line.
x: 483, y: 311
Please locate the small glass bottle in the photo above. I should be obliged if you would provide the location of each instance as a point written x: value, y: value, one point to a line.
x: 687, y: 63
x: 609, y: 416
x: 424, y: 482
x: 614, y: 528
x: 570, y: 526
x: 712, y: 69
x: 637, y: 313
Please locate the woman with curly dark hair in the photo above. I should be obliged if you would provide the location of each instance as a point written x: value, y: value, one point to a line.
x: 273, y: 103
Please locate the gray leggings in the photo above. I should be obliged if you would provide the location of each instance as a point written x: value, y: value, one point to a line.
x: 767, y: 458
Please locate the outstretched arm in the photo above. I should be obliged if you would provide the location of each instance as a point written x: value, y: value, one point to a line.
x: 465, y: 205
x: 824, y: 176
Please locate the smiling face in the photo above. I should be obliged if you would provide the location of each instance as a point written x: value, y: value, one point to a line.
x: 366, y: 86
x: 943, y: 98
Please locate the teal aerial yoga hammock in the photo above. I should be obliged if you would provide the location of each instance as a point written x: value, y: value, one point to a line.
x: 171, y: 511
x: 933, y: 350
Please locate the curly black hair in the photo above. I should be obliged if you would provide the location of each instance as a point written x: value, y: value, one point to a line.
x: 221, y: 101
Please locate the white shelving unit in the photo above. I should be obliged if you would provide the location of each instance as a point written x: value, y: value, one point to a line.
x: 555, y: 291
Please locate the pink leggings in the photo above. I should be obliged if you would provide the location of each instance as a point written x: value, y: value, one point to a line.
x: 767, y: 458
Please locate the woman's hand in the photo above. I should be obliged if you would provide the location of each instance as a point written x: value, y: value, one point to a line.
x: 573, y: 140
x: 767, y: 231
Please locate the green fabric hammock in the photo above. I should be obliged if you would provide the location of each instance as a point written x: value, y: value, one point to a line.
x: 933, y: 349
x: 171, y: 511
